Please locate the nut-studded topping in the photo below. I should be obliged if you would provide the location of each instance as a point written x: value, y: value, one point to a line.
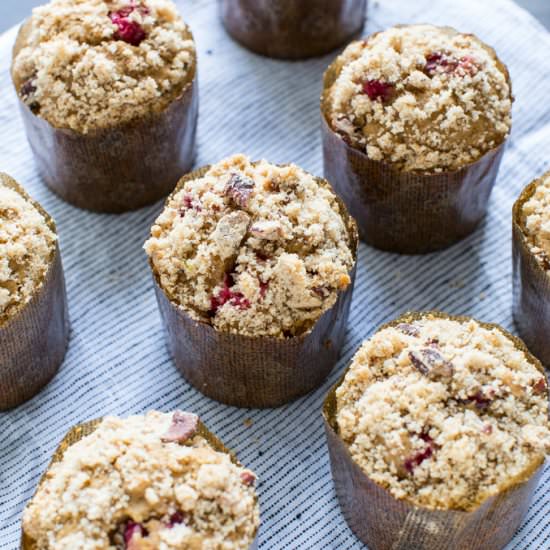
x: 184, y: 426
x: 431, y: 363
x: 269, y: 230
x: 239, y: 188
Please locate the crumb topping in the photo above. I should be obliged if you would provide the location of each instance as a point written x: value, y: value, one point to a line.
x: 536, y: 213
x: 126, y: 486
x: 92, y: 64
x: 443, y: 413
x: 26, y: 247
x: 253, y: 248
x: 423, y: 98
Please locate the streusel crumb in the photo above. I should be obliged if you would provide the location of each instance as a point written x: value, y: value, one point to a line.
x: 93, y: 64
x: 422, y: 98
x: 144, y: 483
x: 536, y: 214
x: 443, y: 413
x: 253, y: 248
x: 27, y: 244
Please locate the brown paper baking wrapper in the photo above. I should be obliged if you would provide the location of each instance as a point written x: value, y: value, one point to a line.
x: 291, y: 29
x: 405, y: 212
x: 257, y: 372
x: 384, y: 522
x: 80, y: 431
x: 120, y: 168
x: 531, y: 284
x: 34, y: 339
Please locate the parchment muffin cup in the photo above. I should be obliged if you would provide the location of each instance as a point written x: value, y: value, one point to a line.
x: 531, y: 285
x: 384, y: 522
x: 406, y: 212
x: 33, y: 340
x: 288, y: 29
x: 78, y: 432
x: 120, y: 168
x: 257, y: 372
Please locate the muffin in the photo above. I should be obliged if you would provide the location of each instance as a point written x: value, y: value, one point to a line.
x: 531, y: 253
x: 292, y: 30
x: 108, y: 96
x: 34, y: 325
x: 437, y: 434
x: 143, y: 483
x: 414, y: 124
x: 254, y: 266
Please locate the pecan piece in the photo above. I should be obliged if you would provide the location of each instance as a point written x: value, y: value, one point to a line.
x: 408, y: 329
x: 239, y: 188
x: 540, y: 386
x: 184, y: 426
x: 268, y: 230
x: 431, y: 363
x: 230, y: 232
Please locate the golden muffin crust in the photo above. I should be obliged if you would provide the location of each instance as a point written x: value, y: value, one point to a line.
x: 443, y: 413
x: 253, y: 248
x: 27, y: 244
x: 93, y: 64
x: 536, y: 221
x: 422, y: 98
x: 144, y: 483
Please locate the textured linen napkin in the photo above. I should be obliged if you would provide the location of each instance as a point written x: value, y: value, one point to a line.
x: 117, y: 362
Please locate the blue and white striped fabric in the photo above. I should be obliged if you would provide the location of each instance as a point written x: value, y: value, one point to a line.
x: 117, y: 362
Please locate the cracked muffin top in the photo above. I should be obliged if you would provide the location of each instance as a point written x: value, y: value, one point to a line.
x: 535, y: 215
x: 27, y: 244
x: 423, y: 98
x: 94, y: 64
x: 444, y: 413
x: 253, y: 248
x: 144, y: 483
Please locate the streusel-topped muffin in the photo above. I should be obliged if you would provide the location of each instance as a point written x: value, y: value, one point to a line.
x: 91, y: 64
x: 444, y: 412
x: 422, y: 98
x: 27, y: 245
x: 143, y: 483
x: 253, y: 248
x: 536, y: 216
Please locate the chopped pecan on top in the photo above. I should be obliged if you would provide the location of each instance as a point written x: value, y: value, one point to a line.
x: 239, y: 188
x: 408, y: 329
x: 269, y: 230
x: 430, y: 363
x: 184, y: 426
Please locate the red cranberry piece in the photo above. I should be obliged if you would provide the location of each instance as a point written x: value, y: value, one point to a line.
x: 184, y: 425
x: 263, y: 289
x: 440, y: 61
x: 226, y: 295
x: 248, y: 478
x: 175, y: 519
x: 482, y: 399
x: 540, y: 386
x: 131, y: 530
x: 127, y: 30
x: 188, y: 203
x: 378, y: 90
x: 419, y: 457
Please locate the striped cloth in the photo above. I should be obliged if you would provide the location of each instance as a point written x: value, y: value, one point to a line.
x: 117, y: 361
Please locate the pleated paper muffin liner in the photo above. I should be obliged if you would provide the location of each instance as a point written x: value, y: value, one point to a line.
x: 33, y: 341
x: 531, y: 286
x: 119, y: 168
x: 258, y: 372
x: 289, y: 29
x: 384, y: 522
x: 406, y: 212
x: 78, y: 432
